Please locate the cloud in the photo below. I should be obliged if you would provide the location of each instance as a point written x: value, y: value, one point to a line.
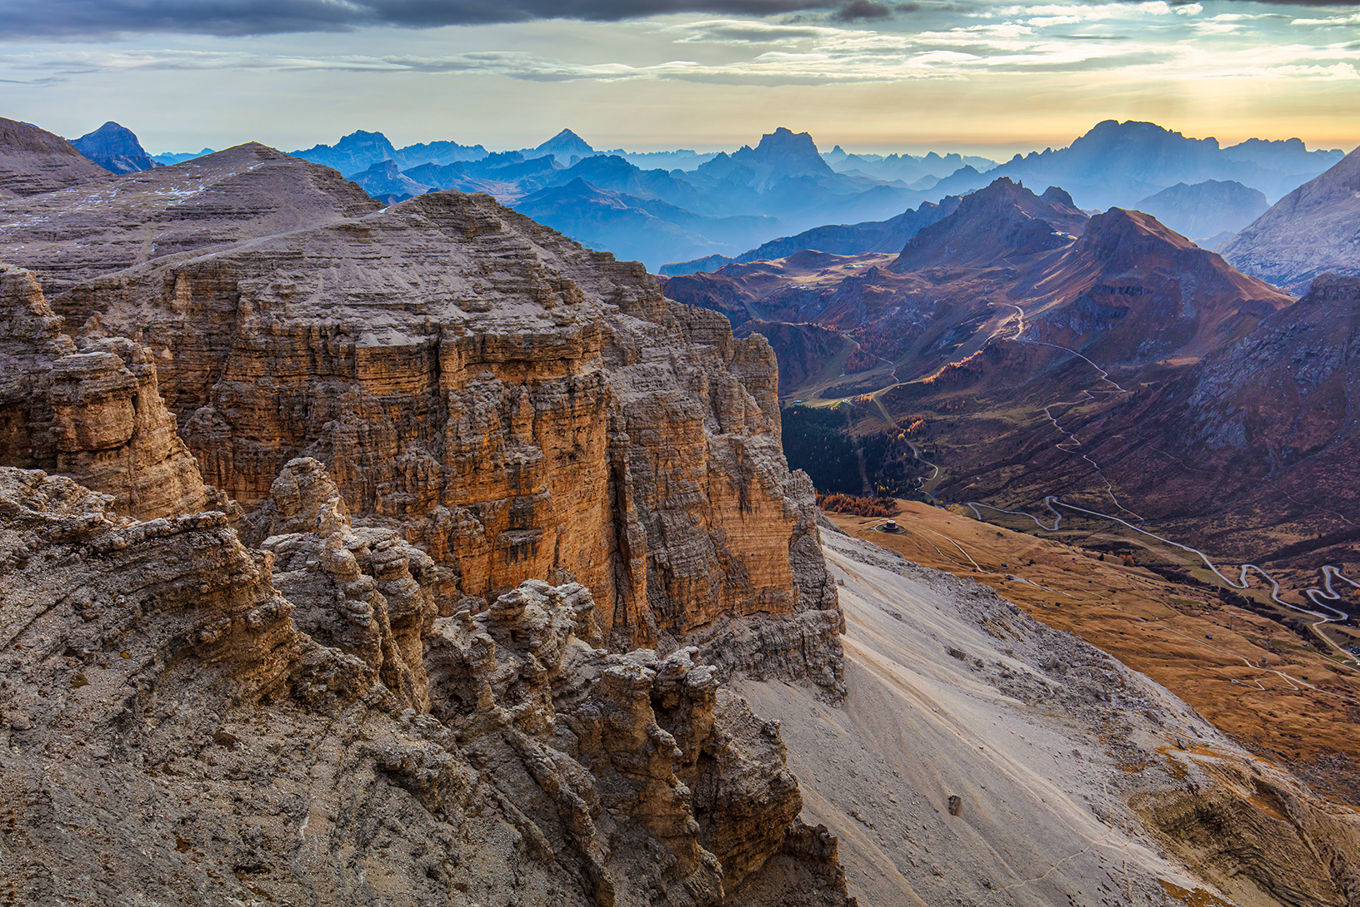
x: 800, y: 55
x: 104, y: 18
x: 863, y: 9
x: 68, y: 19
x: 1334, y: 21
x: 745, y: 31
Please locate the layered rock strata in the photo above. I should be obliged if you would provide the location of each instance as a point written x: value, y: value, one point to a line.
x: 34, y: 161
x: 514, y: 405
x: 169, y: 731
x: 94, y: 414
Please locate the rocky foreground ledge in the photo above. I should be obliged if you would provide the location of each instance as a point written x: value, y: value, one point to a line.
x: 183, y: 720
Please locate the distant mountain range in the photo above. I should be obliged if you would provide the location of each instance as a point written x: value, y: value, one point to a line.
x: 1121, y: 163
x: 1200, y: 188
x: 914, y: 172
x: 703, y: 210
x: 642, y: 229
x: 360, y: 150
x: 169, y: 158
x: 843, y: 239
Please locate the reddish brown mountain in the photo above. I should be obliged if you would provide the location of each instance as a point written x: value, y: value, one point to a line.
x: 1252, y: 449
x: 1107, y: 360
x: 999, y: 222
x: 1006, y: 263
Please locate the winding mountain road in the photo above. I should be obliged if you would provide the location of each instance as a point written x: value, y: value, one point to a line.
x: 1318, y: 597
x: 1329, y: 571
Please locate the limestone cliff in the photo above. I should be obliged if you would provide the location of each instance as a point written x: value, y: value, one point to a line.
x: 386, y: 679
x: 169, y: 732
x: 95, y: 414
x: 514, y: 405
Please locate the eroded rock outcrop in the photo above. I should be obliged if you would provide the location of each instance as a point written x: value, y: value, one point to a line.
x: 94, y: 414
x: 1259, y: 835
x: 514, y: 405
x: 165, y: 718
x: 364, y: 591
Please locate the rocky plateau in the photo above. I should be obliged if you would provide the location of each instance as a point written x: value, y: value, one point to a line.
x: 553, y: 511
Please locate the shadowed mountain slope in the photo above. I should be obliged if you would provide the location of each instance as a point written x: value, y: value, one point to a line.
x: 1205, y: 209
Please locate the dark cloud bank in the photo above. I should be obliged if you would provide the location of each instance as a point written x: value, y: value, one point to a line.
x: 73, y: 18
x: 94, y: 18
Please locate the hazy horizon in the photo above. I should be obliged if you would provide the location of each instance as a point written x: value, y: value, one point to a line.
x: 972, y: 77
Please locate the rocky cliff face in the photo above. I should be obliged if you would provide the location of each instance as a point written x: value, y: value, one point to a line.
x: 389, y: 680
x: 172, y: 718
x: 94, y: 414
x: 513, y: 404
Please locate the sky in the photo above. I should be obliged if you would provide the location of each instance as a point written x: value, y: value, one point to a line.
x: 990, y: 78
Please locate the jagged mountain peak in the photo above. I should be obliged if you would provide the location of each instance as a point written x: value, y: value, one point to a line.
x: 115, y: 148
x: 1140, y: 131
x: 1000, y: 220
x: 786, y: 151
x: 353, y: 153
x: 358, y: 140
x: 362, y: 136
x: 566, y: 144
